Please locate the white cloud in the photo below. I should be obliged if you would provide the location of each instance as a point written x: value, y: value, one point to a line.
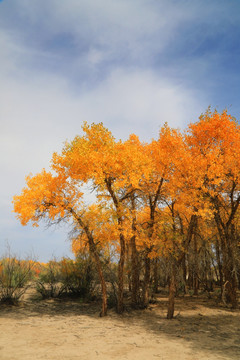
x: 39, y: 115
x: 42, y: 104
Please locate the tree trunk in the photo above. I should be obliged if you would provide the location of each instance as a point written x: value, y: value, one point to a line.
x: 117, y: 204
x: 230, y: 280
x: 172, y: 290
x: 155, y: 276
x: 129, y: 263
x: 135, y: 274
x: 230, y: 286
x: 184, y: 271
x: 195, y: 266
x: 228, y: 237
x: 135, y: 294
x: 219, y: 265
x: 120, y: 305
x: 103, y: 288
x: 146, y: 281
x: 94, y: 253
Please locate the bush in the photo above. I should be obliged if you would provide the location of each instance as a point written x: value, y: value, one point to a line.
x: 67, y: 277
x: 49, y: 283
x: 15, y: 275
x: 79, y: 276
x: 111, y: 277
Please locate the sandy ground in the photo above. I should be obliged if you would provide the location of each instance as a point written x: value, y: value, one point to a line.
x: 73, y: 330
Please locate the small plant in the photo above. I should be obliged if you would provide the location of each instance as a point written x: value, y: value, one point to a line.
x: 15, y: 276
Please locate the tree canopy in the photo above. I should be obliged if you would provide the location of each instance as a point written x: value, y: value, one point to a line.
x: 152, y: 199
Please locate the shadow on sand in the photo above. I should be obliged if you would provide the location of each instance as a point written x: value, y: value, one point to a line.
x: 200, y: 322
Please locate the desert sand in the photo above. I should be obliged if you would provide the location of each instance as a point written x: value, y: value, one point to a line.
x: 55, y: 329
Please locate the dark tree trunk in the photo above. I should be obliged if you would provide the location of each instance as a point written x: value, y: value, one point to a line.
x: 94, y: 253
x: 135, y: 294
x: 117, y: 203
x: 135, y: 274
x: 195, y: 266
x: 155, y: 276
x: 153, y: 201
x: 120, y: 305
x: 128, y: 261
x: 184, y: 271
x: 227, y: 236
x: 102, y: 281
x: 146, y: 281
x: 172, y: 290
x: 219, y: 265
x: 230, y: 285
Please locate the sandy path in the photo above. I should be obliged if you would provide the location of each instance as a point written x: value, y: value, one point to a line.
x: 56, y: 330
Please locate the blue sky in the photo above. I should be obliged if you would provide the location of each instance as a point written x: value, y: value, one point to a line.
x: 132, y: 64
